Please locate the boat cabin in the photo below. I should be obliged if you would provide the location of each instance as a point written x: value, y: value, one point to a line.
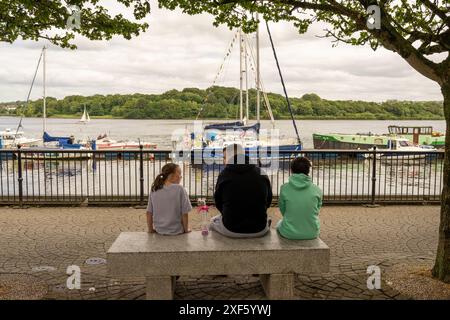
x: 398, y: 144
x: 413, y: 131
x: 427, y: 130
x: 8, y: 134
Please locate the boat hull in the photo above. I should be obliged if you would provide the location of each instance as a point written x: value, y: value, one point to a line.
x: 344, y: 142
x: 56, y: 156
x: 364, y: 142
x: 214, y: 156
x: 428, y: 140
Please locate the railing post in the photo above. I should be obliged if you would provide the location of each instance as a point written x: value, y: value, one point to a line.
x: 20, y: 179
x: 374, y: 173
x: 141, y: 174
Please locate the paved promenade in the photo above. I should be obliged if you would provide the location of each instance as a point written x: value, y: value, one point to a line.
x: 38, y: 244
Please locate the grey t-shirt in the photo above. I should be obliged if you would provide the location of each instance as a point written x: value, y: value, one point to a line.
x: 167, y: 205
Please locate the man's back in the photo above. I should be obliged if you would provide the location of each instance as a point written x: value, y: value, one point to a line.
x: 243, y: 195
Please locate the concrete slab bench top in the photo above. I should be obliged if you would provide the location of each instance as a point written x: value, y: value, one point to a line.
x: 161, y: 258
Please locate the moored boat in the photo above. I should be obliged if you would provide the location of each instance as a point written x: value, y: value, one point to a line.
x: 103, y: 142
x: 416, y: 135
x: 206, y: 146
x: 408, y: 150
x: 345, y: 141
x: 52, y: 144
x: 11, y: 139
x: 4, y: 154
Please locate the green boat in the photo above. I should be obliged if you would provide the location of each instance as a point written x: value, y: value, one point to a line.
x: 346, y: 141
x: 423, y: 136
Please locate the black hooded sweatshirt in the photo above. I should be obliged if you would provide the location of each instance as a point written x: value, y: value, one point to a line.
x: 243, y: 195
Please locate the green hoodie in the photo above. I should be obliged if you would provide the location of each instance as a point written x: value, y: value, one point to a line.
x: 300, y: 202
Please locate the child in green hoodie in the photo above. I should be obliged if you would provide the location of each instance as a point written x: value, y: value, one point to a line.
x: 300, y: 202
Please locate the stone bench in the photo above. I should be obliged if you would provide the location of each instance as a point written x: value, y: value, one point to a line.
x: 161, y: 258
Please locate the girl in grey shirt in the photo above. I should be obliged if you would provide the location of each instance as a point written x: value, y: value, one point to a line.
x: 168, y: 203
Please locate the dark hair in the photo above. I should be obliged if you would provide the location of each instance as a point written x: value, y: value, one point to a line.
x: 301, y: 165
x: 234, y: 153
x: 237, y: 149
x: 167, y: 170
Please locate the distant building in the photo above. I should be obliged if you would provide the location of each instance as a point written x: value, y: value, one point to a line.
x: 9, y: 107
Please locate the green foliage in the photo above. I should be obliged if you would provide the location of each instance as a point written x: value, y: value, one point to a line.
x: 34, y: 20
x: 222, y: 103
x: 311, y: 97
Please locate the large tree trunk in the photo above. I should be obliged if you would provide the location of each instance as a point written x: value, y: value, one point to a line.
x: 441, y: 268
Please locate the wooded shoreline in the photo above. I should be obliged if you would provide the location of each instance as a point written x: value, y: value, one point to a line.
x: 221, y: 103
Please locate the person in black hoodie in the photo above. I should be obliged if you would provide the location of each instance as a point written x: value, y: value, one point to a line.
x: 243, y: 194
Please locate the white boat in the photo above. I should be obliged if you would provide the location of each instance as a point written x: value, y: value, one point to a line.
x: 11, y: 139
x: 408, y: 150
x: 105, y: 143
x: 85, y: 117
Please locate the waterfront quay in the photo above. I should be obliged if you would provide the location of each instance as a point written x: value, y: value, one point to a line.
x: 39, y: 244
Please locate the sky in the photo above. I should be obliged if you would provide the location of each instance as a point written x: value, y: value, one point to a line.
x: 180, y: 51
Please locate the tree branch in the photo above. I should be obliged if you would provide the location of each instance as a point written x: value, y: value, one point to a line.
x: 436, y: 10
x: 428, y: 50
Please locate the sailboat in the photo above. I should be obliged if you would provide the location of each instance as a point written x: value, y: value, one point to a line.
x: 52, y: 143
x: 10, y: 139
x: 208, y: 144
x: 85, y: 117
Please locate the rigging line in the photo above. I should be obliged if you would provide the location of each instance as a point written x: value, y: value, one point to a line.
x: 29, y: 93
x: 250, y: 55
x: 227, y: 55
x: 230, y: 47
x: 282, y: 82
x: 262, y: 89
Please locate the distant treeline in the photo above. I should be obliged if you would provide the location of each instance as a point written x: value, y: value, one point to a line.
x: 222, y: 103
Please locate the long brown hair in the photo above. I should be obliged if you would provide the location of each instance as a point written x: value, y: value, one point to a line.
x: 162, y: 177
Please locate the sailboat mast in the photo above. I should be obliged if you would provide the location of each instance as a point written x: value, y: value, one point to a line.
x: 241, y: 39
x: 44, y: 84
x: 246, y: 82
x: 258, y: 89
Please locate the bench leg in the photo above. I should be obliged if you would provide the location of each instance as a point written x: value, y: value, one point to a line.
x: 278, y: 286
x: 160, y: 288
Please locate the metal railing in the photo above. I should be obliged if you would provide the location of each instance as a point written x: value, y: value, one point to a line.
x: 124, y: 177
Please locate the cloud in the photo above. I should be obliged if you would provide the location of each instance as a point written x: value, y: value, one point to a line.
x: 181, y: 51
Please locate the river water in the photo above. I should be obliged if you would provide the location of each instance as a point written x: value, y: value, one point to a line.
x: 160, y: 131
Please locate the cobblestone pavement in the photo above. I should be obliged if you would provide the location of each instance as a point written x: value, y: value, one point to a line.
x: 40, y: 243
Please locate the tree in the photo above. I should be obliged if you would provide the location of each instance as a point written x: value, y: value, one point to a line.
x: 34, y: 20
x: 311, y: 97
x: 416, y: 30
